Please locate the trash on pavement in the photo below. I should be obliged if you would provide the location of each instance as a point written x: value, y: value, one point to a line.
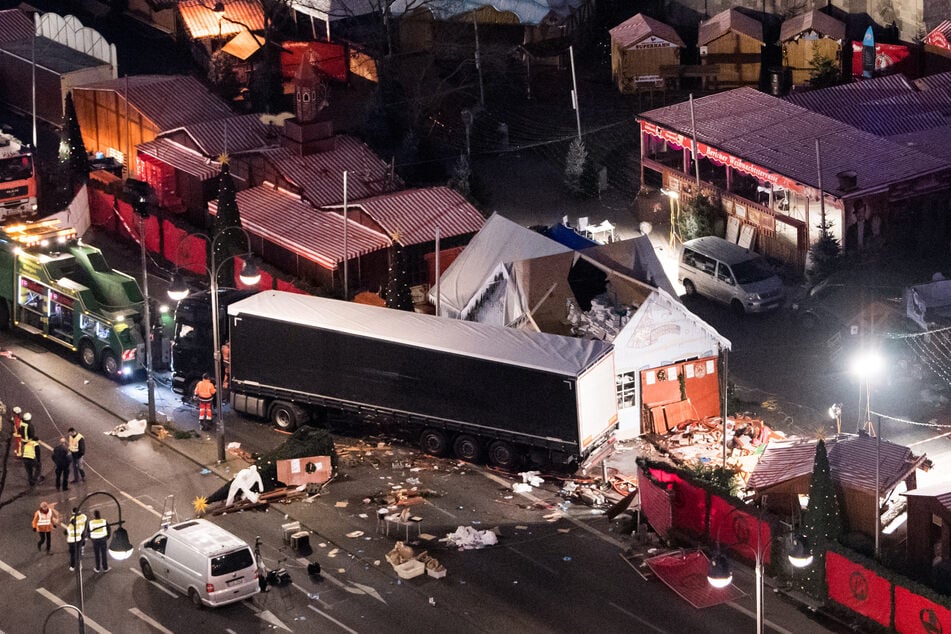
x: 134, y: 427
x: 468, y: 538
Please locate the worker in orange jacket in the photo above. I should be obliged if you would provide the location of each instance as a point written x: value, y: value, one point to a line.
x: 204, y: 392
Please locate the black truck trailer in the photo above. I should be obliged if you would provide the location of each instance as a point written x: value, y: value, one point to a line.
x: 473, y: 389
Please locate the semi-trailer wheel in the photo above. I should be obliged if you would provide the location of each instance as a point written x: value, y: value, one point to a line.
x: 467, y: 447
x: 287, y: 416
x: 87, y: 355
x: 503, y: 455
x: 434, y: 442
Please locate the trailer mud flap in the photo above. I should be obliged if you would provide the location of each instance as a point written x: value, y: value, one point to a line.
x: 597, y: 456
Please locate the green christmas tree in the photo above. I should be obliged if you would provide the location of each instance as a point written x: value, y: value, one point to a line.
x: 574, y: 165
x: 824, y: 254
x: 72, y: 150
x: 397, y: 294
x: 821, y: 525
x: 227, y: 241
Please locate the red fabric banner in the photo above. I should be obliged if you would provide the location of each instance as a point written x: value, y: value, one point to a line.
x: 173, y: 238
x: 689, y: 502
x: 288, y: 287
x: 735, y: 529
x: 655, y: 503
x: 915, y: 613
x: 152, y: 236
x: 100, y: 207
x: 858, y: 588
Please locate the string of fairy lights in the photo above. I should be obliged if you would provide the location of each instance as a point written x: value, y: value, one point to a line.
x: 933, y: 349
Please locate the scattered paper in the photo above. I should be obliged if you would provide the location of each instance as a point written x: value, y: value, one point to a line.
x: 341, y: 504
x: 468, y: 538
x: 355, y: 534
x: 521, y: 487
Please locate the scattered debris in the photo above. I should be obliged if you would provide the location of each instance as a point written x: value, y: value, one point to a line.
x: 135, y: 427
x: 532, y: 478
x: 468, y: 538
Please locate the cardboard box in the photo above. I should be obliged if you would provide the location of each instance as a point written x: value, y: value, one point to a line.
x: 410, y: 569
x: 297, y: 471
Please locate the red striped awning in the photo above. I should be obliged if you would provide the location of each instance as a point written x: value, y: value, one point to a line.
x: 181, y: 158
x: 285, y: 220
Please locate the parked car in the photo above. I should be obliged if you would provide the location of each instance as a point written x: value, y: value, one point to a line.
x: 833, y: 305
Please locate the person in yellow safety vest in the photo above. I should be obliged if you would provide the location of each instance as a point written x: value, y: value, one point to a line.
x: 204, y: 392
x: 77, y: 449
x: 21, y: 432
x: 45, y: 519
x: 75, y: 537
x: 15, y: 421
x: 99, y: 533
x: 31, y: 460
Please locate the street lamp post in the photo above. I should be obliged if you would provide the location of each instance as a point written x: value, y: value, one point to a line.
x: 67, y: 606
x: 721, y: 576
x: 140, y: 191
x: 674, y: 198
x: 866, y: 366
x: 120, y: 548
x: 178, y: 290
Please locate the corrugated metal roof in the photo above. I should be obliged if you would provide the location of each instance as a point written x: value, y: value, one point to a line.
x: 852, y: 463
x: 243, y: 45
x: 289, y: 222
x: 414, y: 214
x: 170, y: 101
x: 335, y: 9
x: 783, y: 461
x: 815, y: 20
x: 320, y: 175
x: 640, y: 27
x: 51, y: 55
x: 944, y: 28
x: 781, y: 137
x: 15, y: 25
x: 726, y: 21
x: 531, y: 12
x: 201, y: 22
x: 181, y: 158
x: 244, y: 133
x: 938, y: 81
x: 940, y: 492
x: 883, y: 106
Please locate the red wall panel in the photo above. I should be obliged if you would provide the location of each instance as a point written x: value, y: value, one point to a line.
x: 858, y: 588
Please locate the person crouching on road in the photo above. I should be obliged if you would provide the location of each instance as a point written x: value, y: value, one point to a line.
x: 62, y: 460
x: 204, y: 392
x: 77, y: 449
x: 45, y: 519
x: 75, y: 536
x: 99, y: 533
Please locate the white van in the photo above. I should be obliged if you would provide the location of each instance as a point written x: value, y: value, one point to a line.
x: 728, y: 273
x: 202, y: 560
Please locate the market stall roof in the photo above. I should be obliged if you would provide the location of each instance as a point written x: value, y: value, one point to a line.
x: 567, y: 356
x: 243, y: 45
x: 852, y: 463
x: 231, y: 135
x: 782, y: 461
x: 181, y: 158
x: 636, y: 258
x: 291, y: 223
x: 499, y: 240
x: 414, y: 214
x: 15, y: 25
x: 529, y: 12
x: 941, y: 492
x: 50, y: 55
x: 726, y: 21
x: 201, y: 22
x: 776, y: 135
x: 169, y: 101
x: 320, y: 175
x: 815, y: 20
x: 640, y: 27
x: 334, y: 9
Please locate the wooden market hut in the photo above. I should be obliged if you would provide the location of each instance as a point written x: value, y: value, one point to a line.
x: 640, y: 46
x: 734, y: 42
x: 783, y: 474
x: 806, y: 36
x: 929, y: 526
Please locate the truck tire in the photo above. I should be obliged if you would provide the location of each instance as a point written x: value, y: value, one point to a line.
x: 87, y: 355
x: 467, y: 447
x: 110, y: 364
x: 434, y: 442
x: 503, y: 455
x: 287, y: 416
x: 4, y: 315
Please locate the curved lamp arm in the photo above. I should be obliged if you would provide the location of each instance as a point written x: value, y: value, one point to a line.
x: 67, y: 606
x: 120, y: 548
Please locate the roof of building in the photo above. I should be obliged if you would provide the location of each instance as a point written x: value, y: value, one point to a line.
x: 243, y: 45
x: 201, y: 22
x: 231, y: 135
x: 782, y: 461
x: 334, y: 9
x: 726, y: 21
x: 640, y: 27
x: 50, y: 55
x: 781, y: 137
x: 815, y: 20
x: 181, y: 158
x: 529, y: 12
x: 852, y: 463
x: 943, y: 28
x: 170, y: 101
x: 413, y: 215
x: 287, y: 221
x: 884, y: 106
x: 15, y: 25
x: 320, y: 175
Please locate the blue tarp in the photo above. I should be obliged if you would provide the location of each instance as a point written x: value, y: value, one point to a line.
x: 569, y: 237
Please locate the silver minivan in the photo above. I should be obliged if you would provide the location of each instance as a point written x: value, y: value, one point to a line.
x: 202, y: 560
x: 726, y: 272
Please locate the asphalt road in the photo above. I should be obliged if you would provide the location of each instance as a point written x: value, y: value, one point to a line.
x: 560, y: 573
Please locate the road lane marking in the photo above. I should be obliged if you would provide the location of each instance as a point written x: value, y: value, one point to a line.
x: 636, y: 618
x: 13, y: 572
x: 766, y: 622
x: 58, y: 602
x: 265, y: 615
x: 550, y: 571
x: 594, y: 531
x: 135, y: 500
x: 154, y: 583
x: 332, y: 619
x: 141, y: 615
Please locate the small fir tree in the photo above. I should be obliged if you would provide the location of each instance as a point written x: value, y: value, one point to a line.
x: 72, y: 149
x: 824, y: 72
x: 397, y: 293
x: 574, y: 165
x: 821, y: 524
x: 697, y: 218
x: 461, y: 176
x: 824, y: 254
x: 226, y: 241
